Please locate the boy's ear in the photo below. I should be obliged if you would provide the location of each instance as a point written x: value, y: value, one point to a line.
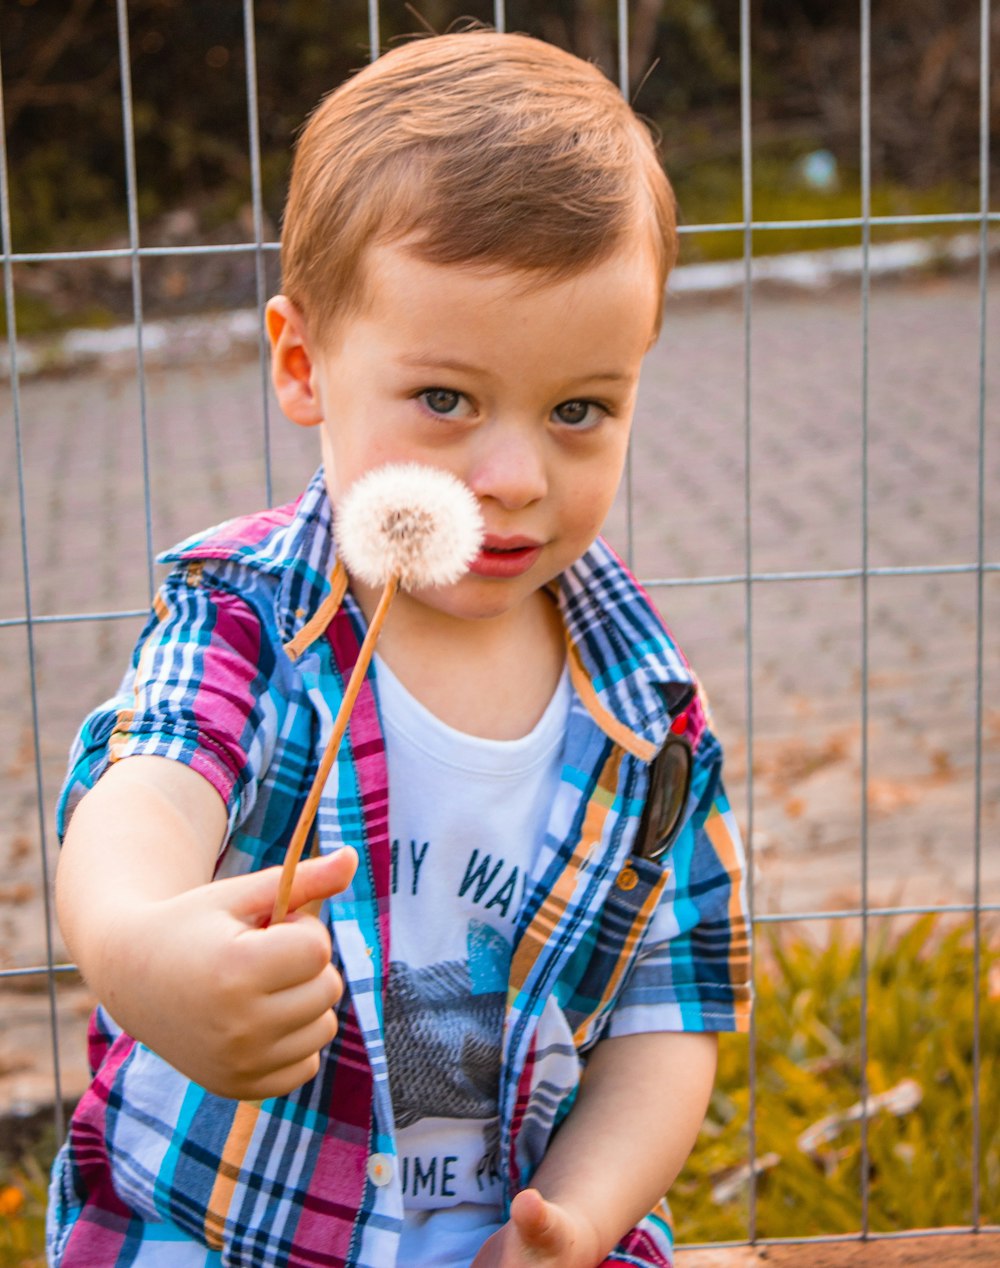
x: 291, y: 363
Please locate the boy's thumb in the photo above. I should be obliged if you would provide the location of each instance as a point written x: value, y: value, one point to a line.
x: 320, y: 878
x: 533, y: 1217
x: 314, y: 880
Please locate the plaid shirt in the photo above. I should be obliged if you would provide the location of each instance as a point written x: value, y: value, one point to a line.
x: 238, y: 673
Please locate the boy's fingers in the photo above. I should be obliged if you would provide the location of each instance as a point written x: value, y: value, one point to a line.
x: 287, y: 955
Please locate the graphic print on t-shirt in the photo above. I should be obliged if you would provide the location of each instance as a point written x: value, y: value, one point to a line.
x: 466, y: 816
x: 442, y: 1022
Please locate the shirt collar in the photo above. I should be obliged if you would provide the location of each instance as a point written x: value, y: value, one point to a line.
x: 636, y: 672
x: 625, y: 665
x: 293, y: 543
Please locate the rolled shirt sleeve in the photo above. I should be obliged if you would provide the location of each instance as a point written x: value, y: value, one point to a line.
x: 198, y: 691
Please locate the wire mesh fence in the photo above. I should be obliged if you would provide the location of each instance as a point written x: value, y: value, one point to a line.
x: 830, y: 559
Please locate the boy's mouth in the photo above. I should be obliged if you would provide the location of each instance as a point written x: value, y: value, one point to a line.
x: 505, y: 556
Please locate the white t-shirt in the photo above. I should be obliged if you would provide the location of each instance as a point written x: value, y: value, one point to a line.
x: 466, y: 816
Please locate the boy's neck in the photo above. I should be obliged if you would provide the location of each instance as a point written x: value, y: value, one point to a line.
x: 492, y: 678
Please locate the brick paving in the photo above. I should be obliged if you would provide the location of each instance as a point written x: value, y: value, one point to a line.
x: 805, y: 455
x: 87, y: 542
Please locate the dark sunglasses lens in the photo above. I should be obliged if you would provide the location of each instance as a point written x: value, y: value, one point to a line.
x: 670, y: 783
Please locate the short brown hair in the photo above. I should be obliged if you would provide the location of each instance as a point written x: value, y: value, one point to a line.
x: 475, y: 147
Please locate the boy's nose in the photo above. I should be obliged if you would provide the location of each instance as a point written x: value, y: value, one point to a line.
x: 509, y: 467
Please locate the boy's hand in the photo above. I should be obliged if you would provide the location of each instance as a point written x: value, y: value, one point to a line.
x: 538, y: 1233
x: 239, y: 1007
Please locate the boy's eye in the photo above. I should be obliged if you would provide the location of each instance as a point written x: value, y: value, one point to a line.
x: 442, y: 400
x: 579, y: 413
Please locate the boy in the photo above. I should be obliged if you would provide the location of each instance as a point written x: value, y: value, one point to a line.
x: 495, y: 1045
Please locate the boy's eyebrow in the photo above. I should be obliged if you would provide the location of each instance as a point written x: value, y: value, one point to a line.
x: 430, y: 362
x: 421, y: 362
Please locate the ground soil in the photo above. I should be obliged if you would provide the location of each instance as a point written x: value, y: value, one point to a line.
x: 912, y: 1252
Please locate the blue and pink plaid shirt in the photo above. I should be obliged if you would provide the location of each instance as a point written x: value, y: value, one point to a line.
x: 238, y: 673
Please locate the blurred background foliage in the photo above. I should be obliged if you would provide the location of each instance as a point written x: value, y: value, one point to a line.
x: 922, y: 986
x: 188, y: 66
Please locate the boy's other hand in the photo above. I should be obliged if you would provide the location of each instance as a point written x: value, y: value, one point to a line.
x: 538, y: 1233
x: 240, y: 1007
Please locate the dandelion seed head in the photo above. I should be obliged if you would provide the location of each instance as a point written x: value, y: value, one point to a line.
x: 408, y: 520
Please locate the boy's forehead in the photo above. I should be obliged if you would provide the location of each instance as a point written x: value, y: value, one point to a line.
x: 400, y: 283
x: 465, y: 315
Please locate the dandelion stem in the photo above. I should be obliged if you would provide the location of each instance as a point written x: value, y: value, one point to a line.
x: 304, y: 825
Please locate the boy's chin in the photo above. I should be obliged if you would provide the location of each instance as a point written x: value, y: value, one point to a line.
x: 476, y: 599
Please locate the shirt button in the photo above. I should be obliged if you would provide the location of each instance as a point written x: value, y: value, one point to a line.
x: 628, y: 878
x: 380, y: 1170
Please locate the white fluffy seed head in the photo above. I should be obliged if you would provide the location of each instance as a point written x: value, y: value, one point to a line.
x: 411, y: 521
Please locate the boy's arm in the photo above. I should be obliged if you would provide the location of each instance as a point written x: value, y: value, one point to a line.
x: 640, y: 1105
x: 187, y: 966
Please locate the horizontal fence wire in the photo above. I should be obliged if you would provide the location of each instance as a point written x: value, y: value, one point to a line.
x: 817, y: 914
x: 844, y: 1239
x: 651, y: 583
x: 756, y: 226
x: 867, y: 224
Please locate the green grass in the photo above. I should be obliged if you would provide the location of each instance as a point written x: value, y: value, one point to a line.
x: 711, y: 193
x: 35, y: 316
x: 920, y: 1031
x: 23, y: 1187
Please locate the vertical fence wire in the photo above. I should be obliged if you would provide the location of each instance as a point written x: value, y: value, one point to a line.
x: 746, y: 172
x: 500, y: 15
x: 257, y: 201
x: 374, y: 34
x: 6, y: 239
x: 132, y: 204
x: 866, y: 211
x: 623, y: 39
x: 977, y: 839
x: 623, y: 84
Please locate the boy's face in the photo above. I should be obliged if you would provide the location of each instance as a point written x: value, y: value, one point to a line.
x: 524, y: 390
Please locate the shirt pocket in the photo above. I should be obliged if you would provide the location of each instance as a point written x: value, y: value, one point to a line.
x: 611, y: 950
